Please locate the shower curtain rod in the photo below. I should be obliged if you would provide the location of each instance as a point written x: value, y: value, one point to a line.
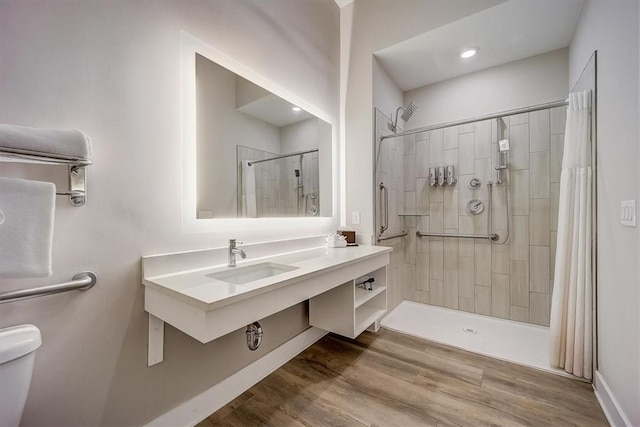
x: 283, y: 156
x: 538, y: 107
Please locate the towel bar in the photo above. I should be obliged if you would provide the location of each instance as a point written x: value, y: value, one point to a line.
x: 81, y: 281
x: 77, y: 174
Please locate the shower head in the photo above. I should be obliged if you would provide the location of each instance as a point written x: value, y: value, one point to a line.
x: 407, y: 112
x: 503, y: 145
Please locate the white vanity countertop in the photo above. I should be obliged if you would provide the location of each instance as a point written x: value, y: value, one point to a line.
x: 196, y: 288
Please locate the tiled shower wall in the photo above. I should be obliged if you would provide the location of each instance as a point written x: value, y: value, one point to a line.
x: 276, y: 183
x: 513, y: 280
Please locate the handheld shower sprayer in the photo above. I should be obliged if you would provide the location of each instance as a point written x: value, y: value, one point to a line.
x: 503, y: 159
x: 407, y: 112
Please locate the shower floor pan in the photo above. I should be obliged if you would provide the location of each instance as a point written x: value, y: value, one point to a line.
x: 516, y: 342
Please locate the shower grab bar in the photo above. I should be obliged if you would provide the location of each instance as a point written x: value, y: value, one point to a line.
x: 81, y: 281
x: 493, y: 236
x: 384, y: 199
x: 77, y: 174
x: 394, y: 236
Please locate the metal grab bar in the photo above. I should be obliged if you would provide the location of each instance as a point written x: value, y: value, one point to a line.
x: 380, y: 238
x: 493, y: 236
x: 81, y: 281
x: 384, y: 200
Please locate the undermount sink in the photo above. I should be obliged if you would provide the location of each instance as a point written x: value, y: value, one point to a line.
x: 241, y: 275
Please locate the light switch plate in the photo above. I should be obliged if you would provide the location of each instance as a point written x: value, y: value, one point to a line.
x: 355, y: 217
x: 628, y: 213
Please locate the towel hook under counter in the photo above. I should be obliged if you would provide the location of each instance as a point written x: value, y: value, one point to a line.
x: 76, y: 168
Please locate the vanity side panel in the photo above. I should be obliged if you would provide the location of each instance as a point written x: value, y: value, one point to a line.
x: 333, y: 310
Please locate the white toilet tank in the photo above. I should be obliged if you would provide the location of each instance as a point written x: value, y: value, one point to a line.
x: 17, y: 354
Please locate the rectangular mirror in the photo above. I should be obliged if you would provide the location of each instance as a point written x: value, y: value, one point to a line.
x: 258, y: 154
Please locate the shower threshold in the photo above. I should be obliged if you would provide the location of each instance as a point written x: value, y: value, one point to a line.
x: 521, y: 343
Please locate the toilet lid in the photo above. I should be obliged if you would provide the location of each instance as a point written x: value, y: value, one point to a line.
x: 17, y: 341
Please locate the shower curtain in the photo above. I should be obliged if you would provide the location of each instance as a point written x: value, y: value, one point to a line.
x: 571, y: 304
x: 248, y: 185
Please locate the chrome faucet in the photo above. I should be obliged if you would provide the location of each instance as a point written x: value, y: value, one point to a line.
x: 233, y: 251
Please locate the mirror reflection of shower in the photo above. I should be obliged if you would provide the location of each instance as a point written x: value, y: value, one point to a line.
x: 278, y: 185
x: 299, y: 184
x: 306, y: 199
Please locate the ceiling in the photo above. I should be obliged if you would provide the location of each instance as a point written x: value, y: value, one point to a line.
x: 275, y: 110
x: 505, y: 33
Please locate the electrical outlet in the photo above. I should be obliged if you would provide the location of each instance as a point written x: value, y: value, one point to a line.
x: 355, y: 217
x: 628, y: 213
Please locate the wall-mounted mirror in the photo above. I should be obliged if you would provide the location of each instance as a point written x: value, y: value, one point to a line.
x: 251, y: 149
x: 258, y: 155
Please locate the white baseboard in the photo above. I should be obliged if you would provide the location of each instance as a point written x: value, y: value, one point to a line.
x: 201, y: 406
x: 609, y: 404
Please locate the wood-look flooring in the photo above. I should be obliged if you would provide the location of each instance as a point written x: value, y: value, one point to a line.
x: 390, y: 379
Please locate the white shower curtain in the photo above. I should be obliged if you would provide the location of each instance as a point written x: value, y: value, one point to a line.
x: 571, y: 304
x: 249, y: 209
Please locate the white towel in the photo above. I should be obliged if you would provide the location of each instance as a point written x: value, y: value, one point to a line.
x: 249, y: 207
x: 72, y: 143
x: 26, y: 227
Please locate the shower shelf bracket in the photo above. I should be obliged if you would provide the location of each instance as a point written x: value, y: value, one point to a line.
x: 77, y: 190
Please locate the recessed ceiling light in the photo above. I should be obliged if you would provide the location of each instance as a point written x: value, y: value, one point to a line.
x: 468, y: 53
x: 296, y: 109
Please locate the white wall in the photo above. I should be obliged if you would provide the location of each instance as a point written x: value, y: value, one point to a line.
x: 611, y: 28
x: 299, y: 136
x: 220, y: 129
x: 248, y: 92
x: 112, y: 69
x: 530, y: 81
x: 387, y: 96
